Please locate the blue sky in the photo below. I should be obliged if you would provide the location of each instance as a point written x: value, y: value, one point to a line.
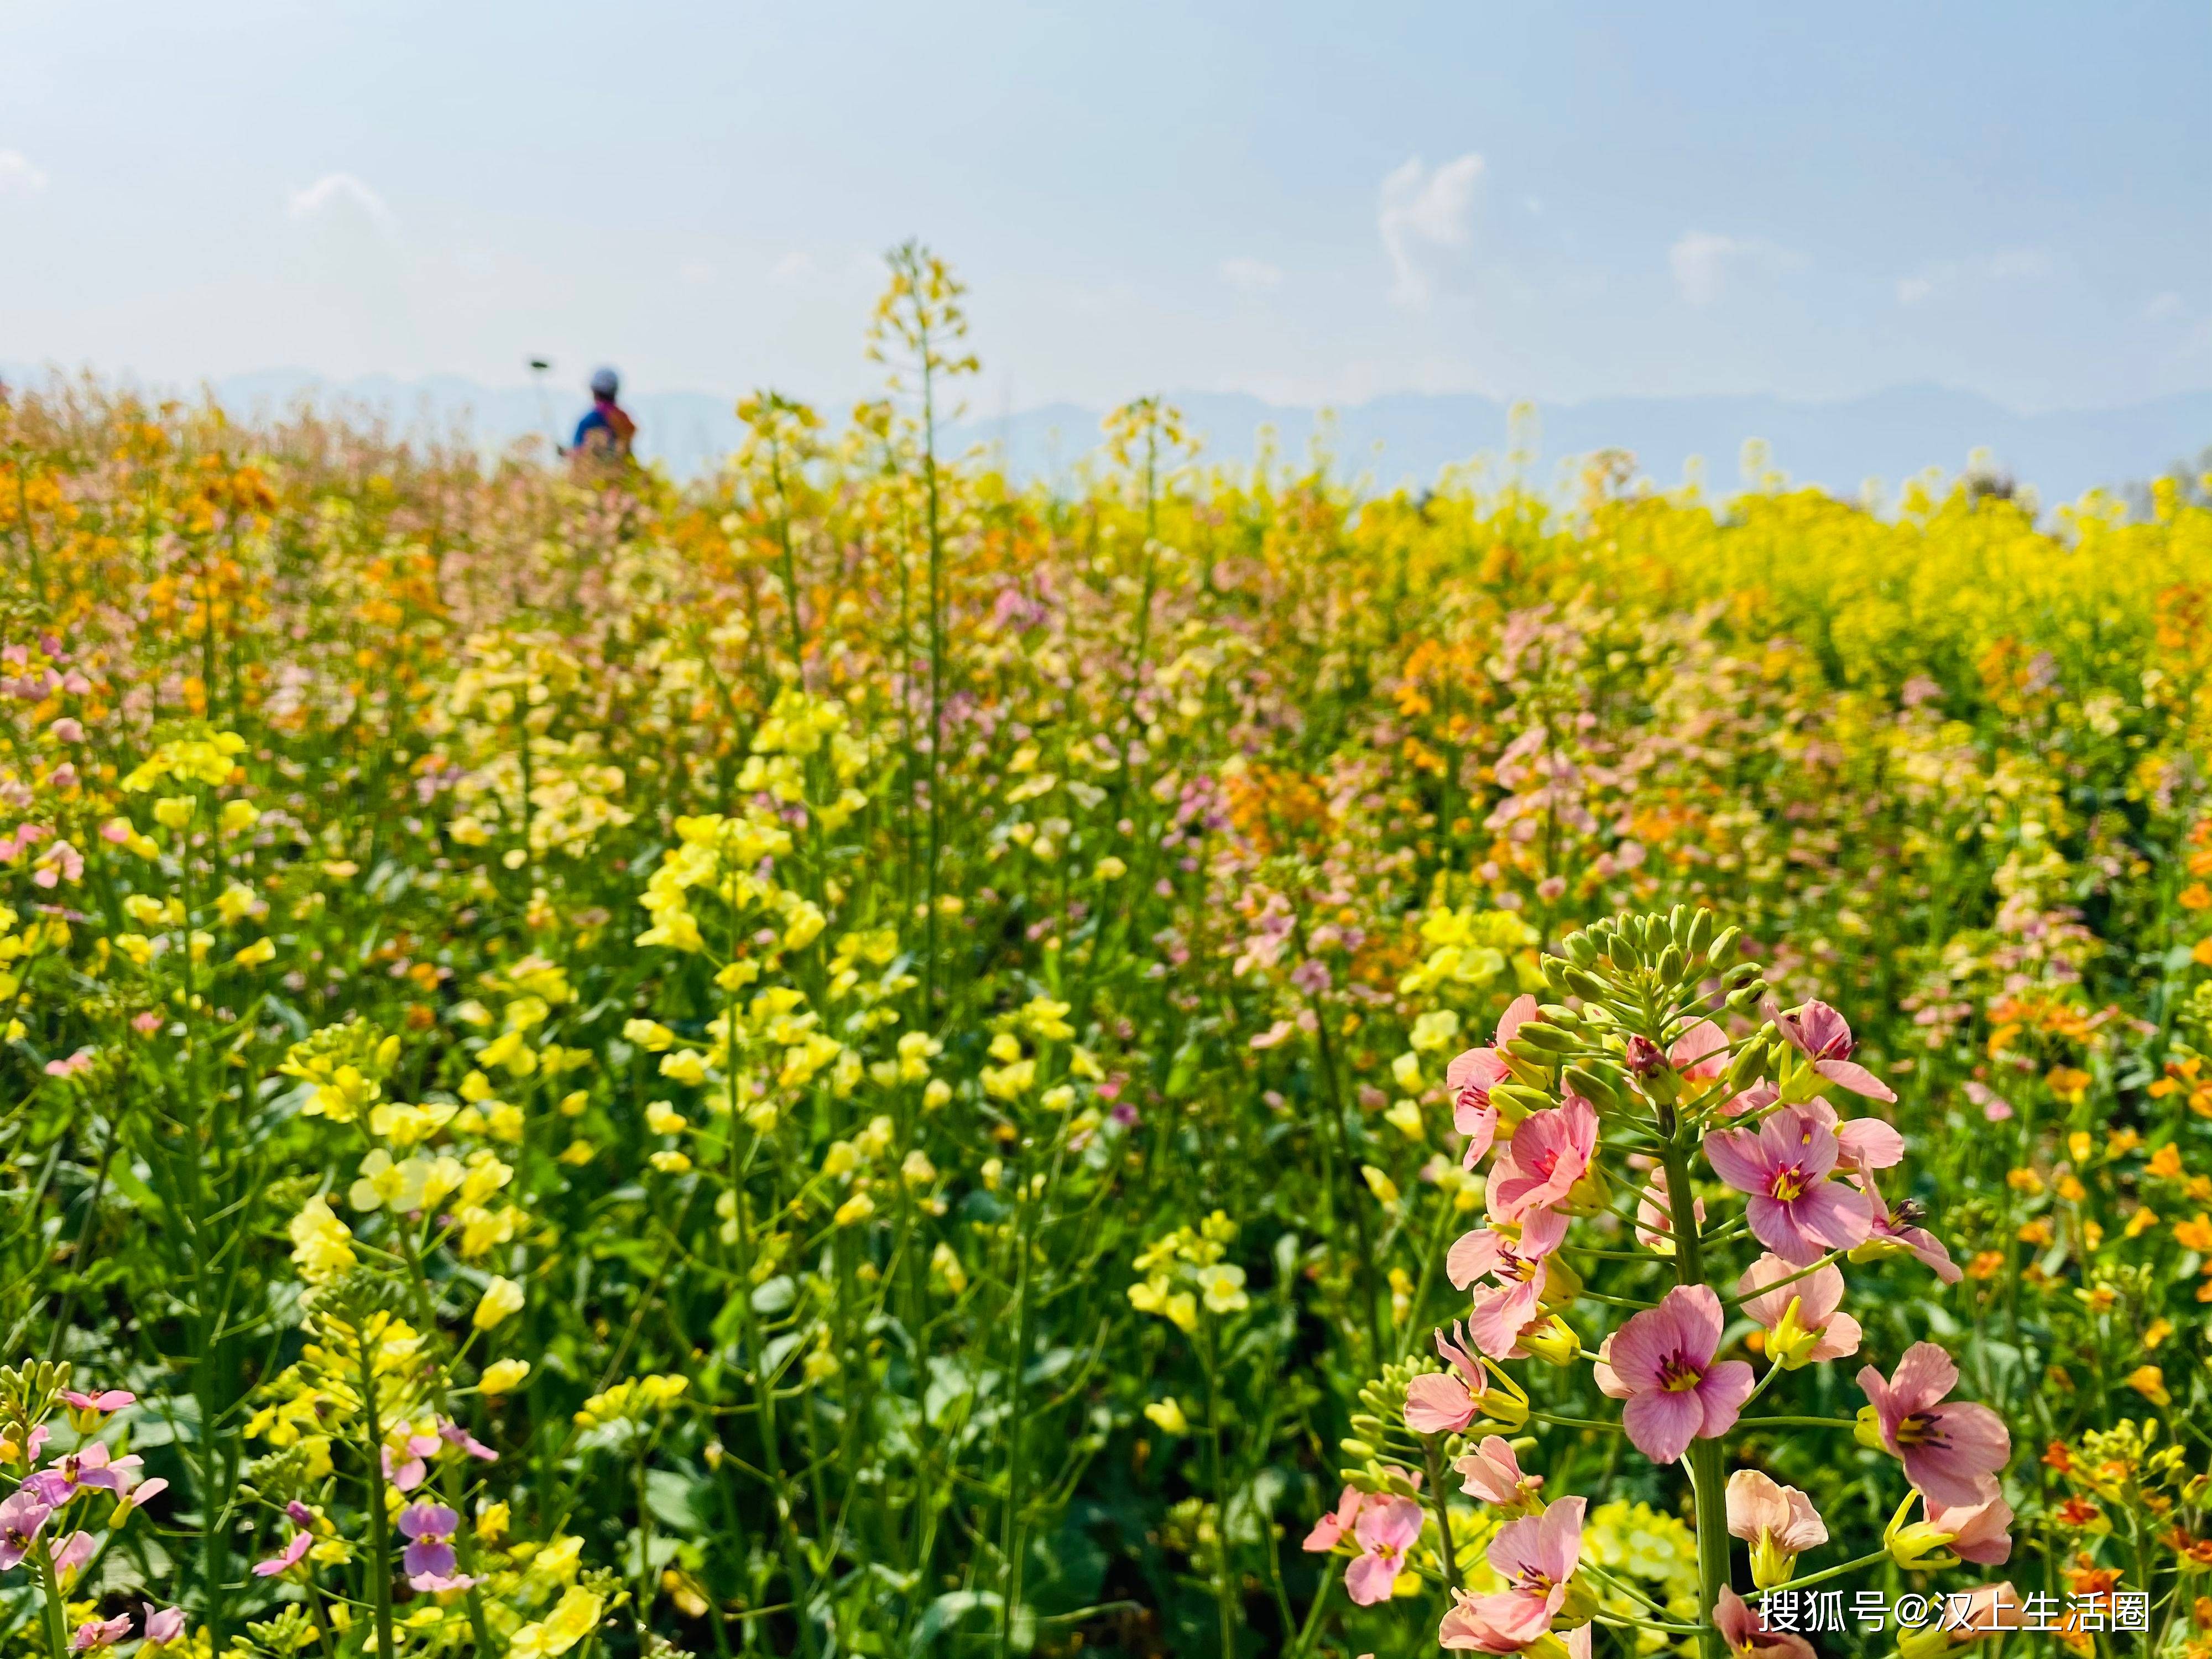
x: 1311, y: 202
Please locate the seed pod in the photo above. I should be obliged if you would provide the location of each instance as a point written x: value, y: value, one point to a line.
x: 1746, y: 998
x: 1723, y: 944
x: 1581, y: 949
x: 1743, y: 974
x: 1544, y: 1040
x: 1623, y: 954
x: 1670, y: 964
x: 1594, y: 1086
x: 1354, y: 1449
x: 1675, y: 918
x: 1699, y: 936
x: 1559, y: 1014
x: 1586, y: 985
x: 1749, y: 1061
x: 1555, y: 974
x: 1519, y: 1099
x: 1369, y: 1427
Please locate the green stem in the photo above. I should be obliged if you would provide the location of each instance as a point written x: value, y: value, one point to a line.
x: 50, y: 1591
x: 1430, y: 1456
x: 379, y: 1523
x: 1706, y: 1464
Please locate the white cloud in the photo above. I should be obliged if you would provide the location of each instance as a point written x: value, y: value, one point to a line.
x: 1705, y: 264
x: 2166, y: 307
x: 1422, y: 210
x: 1250, y: 276
x: 341, y: 192
x: 793, y: 267
x: 697, y: 272
x: 18, y: 177
x: 2013, y: 264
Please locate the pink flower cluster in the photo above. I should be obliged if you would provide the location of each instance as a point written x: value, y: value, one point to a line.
x: 1808, y: 1179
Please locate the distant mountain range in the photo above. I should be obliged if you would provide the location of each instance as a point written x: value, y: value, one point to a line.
x: 1889, y: 436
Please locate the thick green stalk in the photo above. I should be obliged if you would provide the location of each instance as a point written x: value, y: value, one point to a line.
x: 379, y: 1523
x: 50, y: 1596
x: 929, y: 979
x: 1708, y: 1465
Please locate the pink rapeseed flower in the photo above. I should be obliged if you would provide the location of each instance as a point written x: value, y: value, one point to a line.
x: 79, y: 1062
x: 1494, y: 1473
x: 1782, y: 1166
x: 1824, y: 1037
x: 1518, y: 1266
x: 454, y: 1435
x: 1472, y: 1075
x: 95, y: 1633
x: 90, y: 1465
x: 1700, y: 1053
x: 1779, y: 1523
x: 1897, y: 1227
x: 1952, y: 1451
x: 1661, y: 1362
x: 164, y: 1625
x: 428, y: 1559
x: 1534, y: 1556
x: 407, y: 1471
x: 286, y: 1558
x: 73, y: 1552
x: 1338, y: 1524
x: 1446, y: 1402
x: 1550, y: 1151
x: 21, y: 1515
x: 1861, y: 1143
x: 106, y: 1401
x: 1744, y: 1631
x: 1385, y: 1532
x: 1800, y: 1316
x: 1980, y: 1532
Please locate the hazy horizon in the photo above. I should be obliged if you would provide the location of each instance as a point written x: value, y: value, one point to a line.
x: 1280, y: 200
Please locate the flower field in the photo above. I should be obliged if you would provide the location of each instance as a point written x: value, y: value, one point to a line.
x: 855, y: 1058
